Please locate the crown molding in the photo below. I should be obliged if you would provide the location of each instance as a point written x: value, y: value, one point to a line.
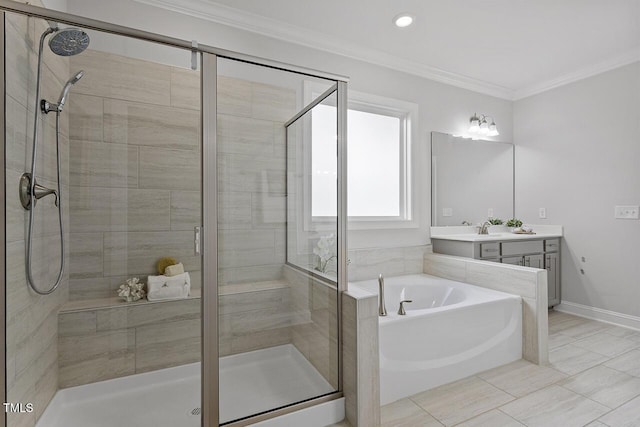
x: 268, y: 27
x: 611, y: 64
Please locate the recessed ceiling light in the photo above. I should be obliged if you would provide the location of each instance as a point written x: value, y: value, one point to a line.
x: 403, y: 20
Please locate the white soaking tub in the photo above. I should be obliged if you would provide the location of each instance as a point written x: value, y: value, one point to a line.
x: 451, y: 330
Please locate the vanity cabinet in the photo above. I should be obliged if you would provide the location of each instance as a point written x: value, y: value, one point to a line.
x: 543, y: 253
x: 535, y: 261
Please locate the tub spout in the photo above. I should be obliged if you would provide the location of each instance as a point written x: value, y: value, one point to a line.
x: 382, y: 310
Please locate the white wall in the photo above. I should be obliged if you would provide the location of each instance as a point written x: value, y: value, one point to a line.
x: 55, y: 4
x: 441, y: 107
x: 578, y: 155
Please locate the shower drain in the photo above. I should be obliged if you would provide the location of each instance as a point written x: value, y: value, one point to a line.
x: 196, y: 411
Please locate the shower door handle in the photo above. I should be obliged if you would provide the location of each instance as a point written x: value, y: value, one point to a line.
x: 196, y: 240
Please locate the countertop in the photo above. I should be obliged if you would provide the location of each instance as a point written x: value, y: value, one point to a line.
x: 469, y: 234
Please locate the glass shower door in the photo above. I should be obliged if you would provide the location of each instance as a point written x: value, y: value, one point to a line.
x: 277, y: 313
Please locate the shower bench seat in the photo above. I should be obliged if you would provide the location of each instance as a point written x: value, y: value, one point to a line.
x: 107, y: 338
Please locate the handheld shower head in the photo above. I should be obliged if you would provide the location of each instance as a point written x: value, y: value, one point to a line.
x: 67, y: 87
x: 73, y: 80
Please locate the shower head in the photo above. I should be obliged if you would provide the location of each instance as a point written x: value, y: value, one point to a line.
x: 67, y: 87
x: 68, y: 41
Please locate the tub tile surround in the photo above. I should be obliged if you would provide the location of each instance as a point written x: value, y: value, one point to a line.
x: 368, y: 263
x: 361, y: 375
x: 31, y: 324
x: 529, y: 283
x: 603, y: 393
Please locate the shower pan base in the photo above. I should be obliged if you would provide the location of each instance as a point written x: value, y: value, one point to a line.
x: 250, y: 383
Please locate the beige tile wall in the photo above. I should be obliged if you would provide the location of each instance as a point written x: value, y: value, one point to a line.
x: 119, y: 339
x: 251, y: 179
x: 254, y: 316
x: 314, y: 324
x: 32, y: 327
x: 110, y: 342
x: 134, y: 171
x: 529, y: 283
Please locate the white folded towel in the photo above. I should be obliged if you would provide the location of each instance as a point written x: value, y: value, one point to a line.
x: 170, y: 292
x: 164, y: 287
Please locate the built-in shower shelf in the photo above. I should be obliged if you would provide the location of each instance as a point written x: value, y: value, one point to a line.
x: 224, y: 291
x: 115, y: 302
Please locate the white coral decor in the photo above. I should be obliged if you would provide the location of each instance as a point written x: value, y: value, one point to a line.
x: 133, y: 290
x: 323, y: 251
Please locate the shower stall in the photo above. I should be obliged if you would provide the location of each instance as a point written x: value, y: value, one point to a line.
x: 124, y: 148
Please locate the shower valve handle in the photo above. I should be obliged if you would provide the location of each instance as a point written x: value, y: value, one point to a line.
x: 40, y: 191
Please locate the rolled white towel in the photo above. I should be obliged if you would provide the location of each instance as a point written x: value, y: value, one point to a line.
x: 161, y: 283
x: 174, y: 270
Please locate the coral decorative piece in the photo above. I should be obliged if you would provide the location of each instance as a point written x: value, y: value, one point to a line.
x: 132, y: 290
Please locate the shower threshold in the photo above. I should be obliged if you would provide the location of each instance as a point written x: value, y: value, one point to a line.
x: 250, y: 383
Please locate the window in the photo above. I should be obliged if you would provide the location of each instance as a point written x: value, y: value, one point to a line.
x: 379, y: 162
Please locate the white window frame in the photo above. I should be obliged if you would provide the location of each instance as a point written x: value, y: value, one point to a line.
x: 407, y: 112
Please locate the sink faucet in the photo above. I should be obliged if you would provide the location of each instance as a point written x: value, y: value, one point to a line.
x: 382, y: 310
x: 484, y: 228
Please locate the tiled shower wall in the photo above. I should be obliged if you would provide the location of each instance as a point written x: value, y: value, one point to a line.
x: 32, y: 325
x: 251, y: 179
x: 255, y: 301
x: 134, y: 171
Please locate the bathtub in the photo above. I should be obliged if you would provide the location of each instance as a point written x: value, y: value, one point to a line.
x: 451, y: 330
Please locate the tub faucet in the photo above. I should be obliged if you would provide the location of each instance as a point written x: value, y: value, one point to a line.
x: 382, y: 310
x: 484, y: 228
x: 401, y: 311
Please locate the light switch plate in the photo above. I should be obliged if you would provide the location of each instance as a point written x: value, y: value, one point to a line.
x: 490, y: 212
x: 627, y: 212
x: 447, y: 211
x: 542, y: 213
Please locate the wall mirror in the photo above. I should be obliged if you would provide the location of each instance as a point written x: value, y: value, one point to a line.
x: 470, y: 180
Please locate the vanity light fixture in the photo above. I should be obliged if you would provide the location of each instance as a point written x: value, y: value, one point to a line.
x: 479, y: 126
x: 403, y: 20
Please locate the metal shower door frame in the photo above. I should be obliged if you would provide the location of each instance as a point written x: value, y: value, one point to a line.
x: 3, y: 254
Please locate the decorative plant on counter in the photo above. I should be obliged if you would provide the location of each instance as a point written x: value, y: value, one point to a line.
x: 132, y: 290
x: 514, y: 222
x: 323, y: 251
x: 495, y: 221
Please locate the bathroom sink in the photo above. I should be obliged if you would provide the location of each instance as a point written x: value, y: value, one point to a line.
x: 475, y: 237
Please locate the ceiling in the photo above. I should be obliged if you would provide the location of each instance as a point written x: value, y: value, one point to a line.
x: 506, y: 48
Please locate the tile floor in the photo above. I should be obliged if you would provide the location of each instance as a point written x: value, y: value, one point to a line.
x: 593, y: 379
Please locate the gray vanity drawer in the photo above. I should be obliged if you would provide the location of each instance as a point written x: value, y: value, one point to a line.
x: 552, y: 245
x: 517, y: 248
x: 489, y: 250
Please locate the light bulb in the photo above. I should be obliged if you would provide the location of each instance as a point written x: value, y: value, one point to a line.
x: 474, y: 124
x: 493, y: 130
x: 484, y: 128
x: 403, y: 20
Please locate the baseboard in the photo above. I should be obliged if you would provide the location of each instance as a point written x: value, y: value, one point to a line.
x: 615, y: 318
